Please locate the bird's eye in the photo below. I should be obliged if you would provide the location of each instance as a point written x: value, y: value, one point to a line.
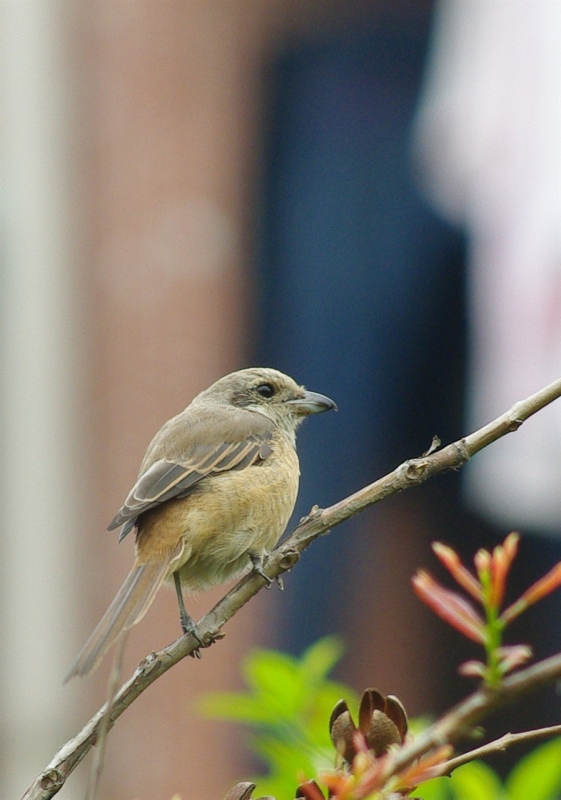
x: 265, y: 390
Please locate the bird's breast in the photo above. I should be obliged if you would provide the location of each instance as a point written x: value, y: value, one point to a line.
x: 227, y: 516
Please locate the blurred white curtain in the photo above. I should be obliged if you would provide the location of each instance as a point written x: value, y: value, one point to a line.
x: 41, y: 419
x: 489, y: 150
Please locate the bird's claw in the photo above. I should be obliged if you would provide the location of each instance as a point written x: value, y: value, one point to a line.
x: 204, y: 641
x: 257, y: 563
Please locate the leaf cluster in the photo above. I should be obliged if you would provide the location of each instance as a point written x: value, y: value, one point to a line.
x: 287, y: 704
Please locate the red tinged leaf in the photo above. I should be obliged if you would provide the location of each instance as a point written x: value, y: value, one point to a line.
x: 451, y: 607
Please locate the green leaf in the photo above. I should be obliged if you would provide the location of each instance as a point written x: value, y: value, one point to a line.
x: 538, y: 774
x: 236, y: 707
x: 477, y: 781
x: 282, y: 755
x: 319, y: 659
x: 287, y: 705
x: 435, y: 789
x: 273, y: 677
x: 283, y: 688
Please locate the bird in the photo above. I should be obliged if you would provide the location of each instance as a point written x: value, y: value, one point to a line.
x: 213, y: 496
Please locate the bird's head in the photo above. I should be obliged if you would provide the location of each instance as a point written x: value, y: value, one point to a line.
x: 270, y: 393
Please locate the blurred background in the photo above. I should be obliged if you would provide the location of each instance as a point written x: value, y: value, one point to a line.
x: 366, y: 195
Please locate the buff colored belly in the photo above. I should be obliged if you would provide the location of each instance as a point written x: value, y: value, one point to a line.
x: 229, y: 516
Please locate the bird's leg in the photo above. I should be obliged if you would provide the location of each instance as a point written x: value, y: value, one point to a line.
x: 187, y: 624
x: 257, y: 563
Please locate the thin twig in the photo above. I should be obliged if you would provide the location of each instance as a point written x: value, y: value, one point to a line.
x: 500, y: 745
x: 317, y: 523
x: 115, y: 678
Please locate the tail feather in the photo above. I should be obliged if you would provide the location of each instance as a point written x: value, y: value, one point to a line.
x: 127, y: 608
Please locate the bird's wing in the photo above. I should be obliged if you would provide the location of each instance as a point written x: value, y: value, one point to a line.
x: 200, y: 449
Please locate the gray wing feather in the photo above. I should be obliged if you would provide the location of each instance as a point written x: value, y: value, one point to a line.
x: 167, y: 478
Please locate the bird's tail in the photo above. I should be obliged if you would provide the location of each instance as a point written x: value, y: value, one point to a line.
x: 127, y: 608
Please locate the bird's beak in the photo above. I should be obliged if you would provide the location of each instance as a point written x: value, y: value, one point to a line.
x: 312, y: 403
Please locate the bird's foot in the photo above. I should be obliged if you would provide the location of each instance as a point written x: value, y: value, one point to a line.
x: 204, y: 640
x: 257, y: 560
x: 189, y: 627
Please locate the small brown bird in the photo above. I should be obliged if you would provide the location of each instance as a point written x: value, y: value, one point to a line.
x: 215, y: 491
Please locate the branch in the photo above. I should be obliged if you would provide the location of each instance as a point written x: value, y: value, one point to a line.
x: 317, y: 523
x: 460, y: 720
x: 500, y: 745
